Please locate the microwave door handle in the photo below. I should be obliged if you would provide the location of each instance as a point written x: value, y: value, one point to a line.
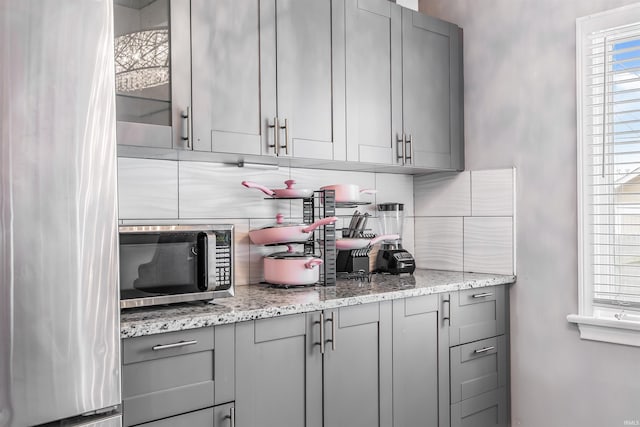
x: 202, y: 272
x: 210, y: 260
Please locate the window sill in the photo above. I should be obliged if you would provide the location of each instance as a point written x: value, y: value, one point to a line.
x: 607, y: 330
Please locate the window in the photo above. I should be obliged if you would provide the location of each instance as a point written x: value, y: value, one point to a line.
x: 608, y: 87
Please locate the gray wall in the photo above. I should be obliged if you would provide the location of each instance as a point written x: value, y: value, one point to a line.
x: 519, y: 64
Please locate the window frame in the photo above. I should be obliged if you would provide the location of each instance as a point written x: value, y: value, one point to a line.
x: 595, y: 322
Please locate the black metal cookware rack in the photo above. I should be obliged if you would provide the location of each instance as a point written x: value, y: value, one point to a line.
x: 322, y: 205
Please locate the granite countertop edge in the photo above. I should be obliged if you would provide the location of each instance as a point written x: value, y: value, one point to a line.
x: 247, y: 304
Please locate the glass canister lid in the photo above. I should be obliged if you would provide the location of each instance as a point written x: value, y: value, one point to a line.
x: 391, y: 206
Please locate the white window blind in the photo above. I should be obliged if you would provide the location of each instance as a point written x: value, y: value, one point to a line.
x: 610, y: 241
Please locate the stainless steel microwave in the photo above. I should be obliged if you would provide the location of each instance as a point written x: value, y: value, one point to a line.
x: 163, y: 264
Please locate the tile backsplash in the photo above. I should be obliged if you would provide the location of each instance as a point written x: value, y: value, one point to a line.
x: 466, y: 221
x: 463, y: 221
x: 168, y: 191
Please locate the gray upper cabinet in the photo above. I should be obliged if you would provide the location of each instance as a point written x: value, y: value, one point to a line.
x: 373, y: 80
x: 264, y: 77
x: 432, y: 92
x: 403, y: 87
x: 153, y: 72
x: 225, y: 38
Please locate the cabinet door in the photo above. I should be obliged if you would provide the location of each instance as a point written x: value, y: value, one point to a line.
x: 420, y: 363
x: 152, y: 61
x: 357, y: 366
x: 300, y: 64
x: 373, y: 81
x: 278, y: 372
x: 225, y: 40
x: 432, y: 107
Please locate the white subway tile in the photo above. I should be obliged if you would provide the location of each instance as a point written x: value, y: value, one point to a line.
x: 214, y: 190
x: 438, y: 243
x: 147, y: 188
x: 488, y: 245
x: 443, y: 194
x: 492, y: 192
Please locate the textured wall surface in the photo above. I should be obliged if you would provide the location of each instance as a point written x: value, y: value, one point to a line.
x: 519, y: 64
x: 164, y: 191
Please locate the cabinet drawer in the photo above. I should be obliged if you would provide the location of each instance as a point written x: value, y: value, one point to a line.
x: 477, y: 368
x: 203, y: 418
x: 486, y: 410
x: 157, y: 346
x: 161, y: 388
x: 477, y: 314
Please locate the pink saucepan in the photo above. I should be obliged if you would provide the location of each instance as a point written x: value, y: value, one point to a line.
x: 347, y: 193
x: 346, y: 244
x: 282, y: 232
x: 281, y: 193
x: 291, y: 268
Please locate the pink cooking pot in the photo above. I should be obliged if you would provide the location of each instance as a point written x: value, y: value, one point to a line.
x: 346, y: 244
x: 282, y: 232
x: 282, y: 193
x: 347, y: 193
x: 291, y: 268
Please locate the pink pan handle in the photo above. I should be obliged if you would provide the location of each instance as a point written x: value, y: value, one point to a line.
x: 369, y: 191
x: 318, y: 223
x: 383, y: 237
x: 313, y: 263
x: 262, y: 188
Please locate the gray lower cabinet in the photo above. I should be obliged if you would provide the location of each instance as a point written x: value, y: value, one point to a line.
x: 357, y: 377
x: 478, y: 357
x: 265, y: 79
x: 278, y: 372
x: 177, y: 377
x: 420, y: 363
x: 292, y: 373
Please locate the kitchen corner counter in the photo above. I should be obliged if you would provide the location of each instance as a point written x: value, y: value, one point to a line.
x: 264, y: 301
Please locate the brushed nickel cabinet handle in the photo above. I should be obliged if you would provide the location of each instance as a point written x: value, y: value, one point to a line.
x: 333, y: 331
x: 484, y: 350
x: 482, y: 295
x: 400, y: 147
x: 446, y: 316
x: 409, y: 156
x: 286, y: 136
x: 321, y: 322
x: 174, y: 345
x: 187, y: 124
x: 276, y: 131
x: 232, y: 417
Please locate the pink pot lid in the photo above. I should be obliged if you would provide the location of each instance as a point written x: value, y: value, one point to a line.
x: 290, y: 254
x: 280, y: 223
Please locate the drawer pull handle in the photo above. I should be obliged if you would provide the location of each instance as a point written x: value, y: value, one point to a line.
x: 483, y: 295
x: 484, y: 350
x: 174, y: 345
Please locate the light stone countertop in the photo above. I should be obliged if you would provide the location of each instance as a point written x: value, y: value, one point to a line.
x: 264, y: 301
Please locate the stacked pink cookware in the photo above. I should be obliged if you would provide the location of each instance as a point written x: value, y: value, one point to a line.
x: 289, y: 268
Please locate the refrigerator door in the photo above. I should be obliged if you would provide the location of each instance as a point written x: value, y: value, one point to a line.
x: 59, y: 315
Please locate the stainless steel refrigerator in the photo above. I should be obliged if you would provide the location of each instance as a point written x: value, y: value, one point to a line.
x: 59, y: 315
